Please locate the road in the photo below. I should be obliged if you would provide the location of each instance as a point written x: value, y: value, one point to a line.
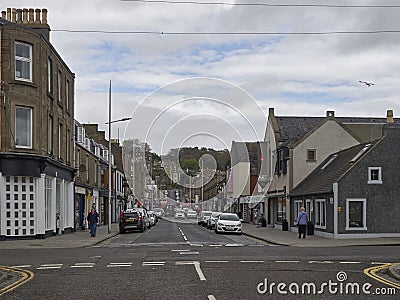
x: 181, y: 260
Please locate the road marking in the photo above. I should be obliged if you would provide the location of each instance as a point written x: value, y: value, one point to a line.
x: 234, y: 245
x: 22, y: 266
x: 371, y: 272
x: 216, y: 261
x: 216, y: 245
x: 153, y: 263
x: 26, y: 276
x: 349, y: 262
x: 379, y: 263
x: 196, y: 245
x: 287, y: 261
x: 211, y: 297
x: 196, y: 265
x: 83, y: 265
x: 185, y: 238
x: 113, y: 265
x: 251, y: 261
x: 192, y: 252
x: 320, y: 262
x: 183, y: 250
x: 49, y: 266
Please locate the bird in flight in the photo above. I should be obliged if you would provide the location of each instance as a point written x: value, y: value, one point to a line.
x: 366, y: 83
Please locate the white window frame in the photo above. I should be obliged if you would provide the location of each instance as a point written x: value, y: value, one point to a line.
x: 364, y: 202
x: 320, y: 214
x: 309, y: 208
x: 24, y: 60
x: 29, y: 124
x: 49, y: 75
x: 67, y: 94
x: 297, y: 205
x: 375, y: 181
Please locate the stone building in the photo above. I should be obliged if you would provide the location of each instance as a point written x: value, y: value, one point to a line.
x: 36, y: 129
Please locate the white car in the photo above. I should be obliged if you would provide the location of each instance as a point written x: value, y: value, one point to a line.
x: 228, y: 222
x: 191, y: 214
x: 179, y: 214
x: 212, y: 220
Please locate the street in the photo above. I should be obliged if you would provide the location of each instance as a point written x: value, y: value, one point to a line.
x: 182, y: 260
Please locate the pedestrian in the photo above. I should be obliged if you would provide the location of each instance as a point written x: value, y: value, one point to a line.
x: 93, y: 219
x: 302, y: 219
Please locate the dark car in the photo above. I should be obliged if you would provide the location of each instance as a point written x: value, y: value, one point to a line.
x: 131, y: 220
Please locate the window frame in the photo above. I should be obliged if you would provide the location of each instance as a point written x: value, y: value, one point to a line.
x: 297, y: 205
x: 311, y: 159
x: 49, y: 75
x: 320, y: 214
x: 374, y: 181
x: 364, y: 216
x: 23, y: 59
x: 30, y: 121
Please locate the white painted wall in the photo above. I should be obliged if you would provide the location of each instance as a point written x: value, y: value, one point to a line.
x: 241, y: 179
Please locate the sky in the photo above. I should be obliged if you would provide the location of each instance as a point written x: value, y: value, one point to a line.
x: 192, y: 74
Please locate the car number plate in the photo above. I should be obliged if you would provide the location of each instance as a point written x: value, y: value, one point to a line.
x: 130, y: 220
x: 229, y: 228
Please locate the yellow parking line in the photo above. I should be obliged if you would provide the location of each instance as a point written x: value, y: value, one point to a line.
x: 26, y: 276
x: 371, y: 272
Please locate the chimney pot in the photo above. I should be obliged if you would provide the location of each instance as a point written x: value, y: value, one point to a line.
x: 44, y: 16
x: 37, y: 16
x: 9, y: 14
x: 19, y: 15
x: 25, y: 16
x: 389, y: 116
x: 31, y: 16
x: 330, y: 114
x: 271, y: 111
x: 14, y: 15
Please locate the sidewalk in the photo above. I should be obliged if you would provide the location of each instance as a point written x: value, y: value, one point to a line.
x: 289, y: 238
x: 70, y: 240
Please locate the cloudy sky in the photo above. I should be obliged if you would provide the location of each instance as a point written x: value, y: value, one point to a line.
x: 216, y: 69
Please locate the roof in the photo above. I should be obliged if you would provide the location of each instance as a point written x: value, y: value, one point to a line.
x: 320, y: 181
x: 293, y: 129
x: 248, y: 152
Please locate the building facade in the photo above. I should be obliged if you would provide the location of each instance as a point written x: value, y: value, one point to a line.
x: 36, y: 129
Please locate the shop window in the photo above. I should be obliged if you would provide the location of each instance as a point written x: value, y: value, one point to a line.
x: 356, y: 214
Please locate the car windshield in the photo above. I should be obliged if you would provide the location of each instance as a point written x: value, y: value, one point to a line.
x: 229, y: 217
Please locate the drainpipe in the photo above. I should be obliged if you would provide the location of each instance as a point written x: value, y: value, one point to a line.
x: 335, y: 209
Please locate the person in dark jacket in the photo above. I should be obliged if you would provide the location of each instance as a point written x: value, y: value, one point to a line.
x: 302, y: 219
x: 93, y: 219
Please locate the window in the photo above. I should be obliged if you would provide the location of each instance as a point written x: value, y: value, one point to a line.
x: 87, y: 167
x: 60, y: 135
x: 77, y: 161
x: 374, y: 175
x: 67, y: 146
x: 297, y: 205
x: 311, y: 155
x: 80, y: 134
x: 281, y: 210
x: 49, y: 75
x: 23, y: 61
x: 23, y: 127
x: 50, y: 135
x: 320, y: 213
x: 59, y: 85
x: 67, y: 94
x: 356, y: 214
x: 48, y: 202
x: 309, y: 208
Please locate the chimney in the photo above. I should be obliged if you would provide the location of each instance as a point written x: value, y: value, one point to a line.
x: 36, y: 19
x: 389, y: 116
x: 330, y: 114
x: 271, y: 111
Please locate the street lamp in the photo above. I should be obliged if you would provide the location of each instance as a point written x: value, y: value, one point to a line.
x: 109, y: 155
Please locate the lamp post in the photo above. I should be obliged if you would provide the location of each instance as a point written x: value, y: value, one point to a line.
x: 109, y: 155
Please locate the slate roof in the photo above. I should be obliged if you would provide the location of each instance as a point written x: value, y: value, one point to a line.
x: 293, y: 129
x: 321, y: 179
x: 247, y: 152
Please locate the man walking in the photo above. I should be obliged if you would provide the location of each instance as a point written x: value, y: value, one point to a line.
x: 302, y: 219
x: 93, y: 219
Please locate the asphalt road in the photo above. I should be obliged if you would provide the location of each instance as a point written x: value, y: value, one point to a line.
x: 179, y: 260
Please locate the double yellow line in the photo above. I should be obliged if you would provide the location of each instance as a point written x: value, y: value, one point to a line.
x: 25, y: 277
x: 371, y: 272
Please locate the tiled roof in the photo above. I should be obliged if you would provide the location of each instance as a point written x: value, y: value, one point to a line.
x: 329, y: 171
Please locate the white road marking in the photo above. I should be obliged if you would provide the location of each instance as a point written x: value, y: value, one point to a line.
x: 234, y: 245
x: 112, y: 265
x: 251, y: 261
x: 350, y: 262
x: 153, y: 263
x: 211, y: 297
x: 196, y: 245
x: 287, y: 261
x: 320, y: 262
x: 216, y: 261
x: 379, y: 263
x: 185, y: 238
x: 49, y: 266
x: 22, y: 266
x: 83, y: 265
x: 216, y: 245
x: 196, y: 265
x: 183, y: 250
x: 192, y: 252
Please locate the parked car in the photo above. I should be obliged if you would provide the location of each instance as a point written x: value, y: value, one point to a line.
x: 145, y: 216
x: 131, y: 220
x: 212, y: 219
x: 203, y: 218
x: 191, y: 214
x: 159, y: 212
x: 228, y: 222
x: 179, y: 214
x: 152, y: 216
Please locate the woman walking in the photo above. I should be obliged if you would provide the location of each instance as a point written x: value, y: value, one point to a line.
x: 302, y: 219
